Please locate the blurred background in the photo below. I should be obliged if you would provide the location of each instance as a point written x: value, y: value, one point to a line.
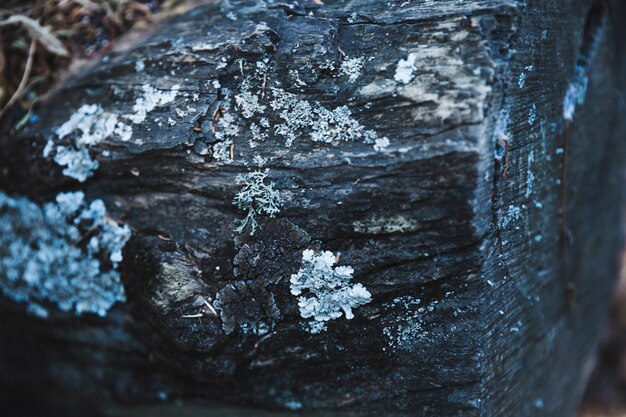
x: 606, y: 390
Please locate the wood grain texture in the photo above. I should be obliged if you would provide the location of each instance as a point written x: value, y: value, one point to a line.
x: 489, y: 259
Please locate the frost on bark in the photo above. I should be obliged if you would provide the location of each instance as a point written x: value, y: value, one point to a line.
x: 461, y: 161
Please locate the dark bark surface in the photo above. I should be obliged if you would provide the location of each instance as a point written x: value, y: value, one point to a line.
x: 486, y: 230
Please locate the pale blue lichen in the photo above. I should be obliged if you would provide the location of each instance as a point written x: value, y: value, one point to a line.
x: 227, y: 128
x: 248, y: 101
x: 512, y: 214
x: 150, y: 100
x: 352, y: 68
x: 298, y: 118
x: 328, y: 293
x: 532, y: 114
x: 575, y: 94
x: 140, y: 65
x: 76, y: 160
x: 64, y: 253
x: 316, y: 327
x: 257, y: 198
x: 325, y: 125
x: 91, y: 124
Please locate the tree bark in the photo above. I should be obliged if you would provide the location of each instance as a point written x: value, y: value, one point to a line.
x: 466, y: 160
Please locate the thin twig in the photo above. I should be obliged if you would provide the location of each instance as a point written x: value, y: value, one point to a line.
x: 213, y: 311
x: 20, y: 88
x: 192, y: 316
x: 34, y: 102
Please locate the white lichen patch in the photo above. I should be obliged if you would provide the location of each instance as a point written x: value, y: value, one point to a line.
x: 512, y: 214
x: 316, y: 327
x: 227, y: 129
x: 404, y: 334
x: 351, y: 68
x: 259, y: 161
x: 91, y: 124
x: 256, y: 198
x: 530, y: 177
x: 378, y: 88
x: 405, y: 69
x: 381, y: 144
x: 521, y: 82
x: 295, y: 76
x: 248, y: 102
x: 258, y: 135
x: 256, y: 102
x: 140, y: 65
x: 323, y: 124
x: 377, y: 225
x: 327, y: 290
x: 151, y: 99
x: 427, y: 88
x: 76, y: 160
x: 64, y: 254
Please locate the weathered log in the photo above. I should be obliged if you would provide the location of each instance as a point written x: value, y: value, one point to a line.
x: 464, y: 158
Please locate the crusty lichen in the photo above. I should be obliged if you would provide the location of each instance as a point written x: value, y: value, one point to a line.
x: 352, y: 68
x: 406, y: 330
x: 91, y: 124
x: 325, y: 125
x: 331, y: 294
x: 257, y: 198
x: 65, y: 254
x: 377, y: 225
x: 256, y: 101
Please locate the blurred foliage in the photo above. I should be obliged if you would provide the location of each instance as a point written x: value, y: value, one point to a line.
x: 40, y: 38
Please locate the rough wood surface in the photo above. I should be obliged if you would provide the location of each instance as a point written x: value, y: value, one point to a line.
x: 478, y: 209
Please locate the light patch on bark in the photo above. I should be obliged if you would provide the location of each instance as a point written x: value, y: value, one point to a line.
x: 376, y: 225
x: 378, y: 88
x: 140, y: 65
x: 151, y: 99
